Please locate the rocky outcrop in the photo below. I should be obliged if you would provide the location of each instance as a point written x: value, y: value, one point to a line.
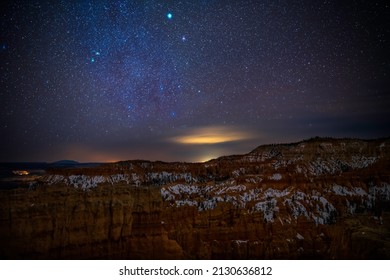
x: 320, y: 198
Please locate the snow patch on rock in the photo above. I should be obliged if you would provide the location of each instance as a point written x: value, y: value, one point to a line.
x: 276, y: 177
x: 85, y: 182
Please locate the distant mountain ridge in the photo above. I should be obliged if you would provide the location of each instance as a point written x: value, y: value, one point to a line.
x: 64, y: 163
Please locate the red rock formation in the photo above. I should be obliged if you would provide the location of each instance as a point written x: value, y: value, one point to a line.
x: 321, y: 198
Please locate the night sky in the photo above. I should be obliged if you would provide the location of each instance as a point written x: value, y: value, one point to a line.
x: 188, y: 80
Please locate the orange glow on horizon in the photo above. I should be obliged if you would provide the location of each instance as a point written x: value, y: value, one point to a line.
x: 212, y: 135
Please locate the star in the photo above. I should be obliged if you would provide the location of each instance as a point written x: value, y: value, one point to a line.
x: 169, y: 15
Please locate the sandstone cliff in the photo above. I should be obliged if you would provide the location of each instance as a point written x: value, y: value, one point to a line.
x: 320, y: 198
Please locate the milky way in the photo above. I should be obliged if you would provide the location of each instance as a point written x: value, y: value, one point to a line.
x: 116, y: 80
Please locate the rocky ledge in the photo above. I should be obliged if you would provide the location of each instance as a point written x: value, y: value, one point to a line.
x: 321, y: 198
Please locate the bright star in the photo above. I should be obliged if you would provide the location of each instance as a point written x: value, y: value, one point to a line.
x: 169, y: 15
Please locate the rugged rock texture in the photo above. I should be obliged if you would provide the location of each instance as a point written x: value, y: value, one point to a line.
x: 320, y: 198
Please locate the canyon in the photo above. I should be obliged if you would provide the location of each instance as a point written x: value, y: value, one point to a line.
x: 321, y: 198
